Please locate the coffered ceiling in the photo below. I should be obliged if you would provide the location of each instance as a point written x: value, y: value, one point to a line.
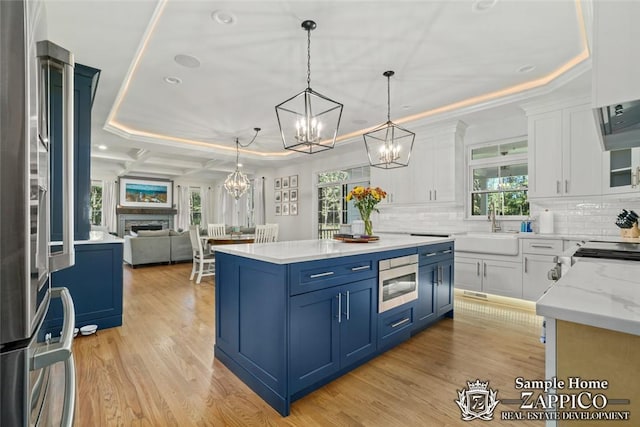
x: 181, y: 79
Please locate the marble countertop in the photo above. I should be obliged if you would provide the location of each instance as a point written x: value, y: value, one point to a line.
x: 600, y: 293
x: 310, y: 250
x: 95, y: 237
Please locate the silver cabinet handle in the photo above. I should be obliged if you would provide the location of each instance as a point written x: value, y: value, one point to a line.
x: 328, y: 273
x: 430, y: 254
x: 566, y: 185
x: 339, y: 296
x: 558, y: 187
x: 364, y: 267
x: 401, y: 322
x: 525, y: 264
x: 60, y: 351
x: 448, y: 251
x: 440, y: 274
x: 542, y: 246
x: 478, y: 268
x: 429, y: 194
x: 435, y: 194
x: 485, y: 269
x: 348, y: 316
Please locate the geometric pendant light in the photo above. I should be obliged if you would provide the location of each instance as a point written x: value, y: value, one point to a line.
x: 389, y: 145
x: 309, y: 121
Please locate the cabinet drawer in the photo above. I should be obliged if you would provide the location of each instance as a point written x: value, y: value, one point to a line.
x: 395, y: 326
x: 435, y: 253
x: 315, y: 275
x: 542, y: 246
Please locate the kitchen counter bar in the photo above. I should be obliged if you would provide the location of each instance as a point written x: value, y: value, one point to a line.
x: 599, y: 293
x: 310, y: 250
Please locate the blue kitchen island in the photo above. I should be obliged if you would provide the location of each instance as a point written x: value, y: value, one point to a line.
x: 292, y: 316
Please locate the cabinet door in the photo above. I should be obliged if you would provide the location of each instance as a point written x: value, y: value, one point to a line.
x: 398, y: 183
x: 358, y: 321
x: 444, y: 175
x: 425, y: 307
x: 534, y: 275
x: 444, y: 287
x: 621, y: 171
x: 468, y: 273
x: 582, y: 155
x: 502, y: 278
x: 314, y: 337
x: 545, y: 155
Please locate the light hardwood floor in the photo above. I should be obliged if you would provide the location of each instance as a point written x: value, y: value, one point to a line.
x: 158, y: 369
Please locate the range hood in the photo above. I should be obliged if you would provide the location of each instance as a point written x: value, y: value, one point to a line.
x: 619, y: 125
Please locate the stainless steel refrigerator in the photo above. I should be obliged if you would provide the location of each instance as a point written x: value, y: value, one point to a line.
x: 27, y: 257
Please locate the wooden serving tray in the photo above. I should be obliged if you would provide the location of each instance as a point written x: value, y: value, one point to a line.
x: 349, y: 238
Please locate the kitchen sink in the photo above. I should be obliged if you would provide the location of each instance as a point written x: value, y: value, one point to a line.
x: 488, y: 243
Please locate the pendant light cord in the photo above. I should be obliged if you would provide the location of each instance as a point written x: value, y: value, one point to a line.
x: 309, y: 59
x: 238, y: 145
x: 388, y: 98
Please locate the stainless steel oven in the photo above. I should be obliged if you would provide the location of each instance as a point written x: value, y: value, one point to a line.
x: 398, y: 282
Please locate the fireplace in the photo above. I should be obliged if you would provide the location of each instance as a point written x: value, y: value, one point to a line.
x: 144, y: 219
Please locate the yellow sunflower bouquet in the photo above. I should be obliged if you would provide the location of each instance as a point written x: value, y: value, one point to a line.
x: 366, y: 199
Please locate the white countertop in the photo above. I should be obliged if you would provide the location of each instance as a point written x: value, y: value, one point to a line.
x: 310, y: 250
x: 95, y: 237
x: 600, y: 293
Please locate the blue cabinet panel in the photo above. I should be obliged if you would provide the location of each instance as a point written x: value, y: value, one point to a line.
x: 425, y: 306
x: 314, y: 332
x: 262, y: 322
x: 227, y: 303
x: 358, y: 321
x: 444, y: 289
x: 85, y: 80
x: 95, y: 284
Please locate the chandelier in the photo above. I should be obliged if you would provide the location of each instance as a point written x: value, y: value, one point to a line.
x: 389, y: 145
x: 309, y: 121
x: 237, y: 182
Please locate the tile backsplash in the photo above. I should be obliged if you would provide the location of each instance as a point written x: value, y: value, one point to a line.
x: 588, y: 216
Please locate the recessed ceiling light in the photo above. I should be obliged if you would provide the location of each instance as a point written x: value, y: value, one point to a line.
x: 172, y: 80
x: 526, y: 68
x: 187, y: 61
x: 223, y: 17
x: 483, y: 5
x: 102, y: 147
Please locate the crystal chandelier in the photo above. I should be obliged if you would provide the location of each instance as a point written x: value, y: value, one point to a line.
x: 309, y: 121
x: 237, y: 182
x: 389, y: 145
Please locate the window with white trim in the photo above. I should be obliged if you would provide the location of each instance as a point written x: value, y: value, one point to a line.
x: 498, y: 179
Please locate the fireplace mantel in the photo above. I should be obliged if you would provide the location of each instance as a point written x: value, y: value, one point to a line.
x: 145, y: 211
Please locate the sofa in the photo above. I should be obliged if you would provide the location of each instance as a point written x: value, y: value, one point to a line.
x: 157, y: 246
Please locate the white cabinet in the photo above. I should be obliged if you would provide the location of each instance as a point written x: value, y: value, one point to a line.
x: 616, y: 63
x: 435, y: 172
x: 493, y: 275
x: 565, y: 158
x: 622, y: 171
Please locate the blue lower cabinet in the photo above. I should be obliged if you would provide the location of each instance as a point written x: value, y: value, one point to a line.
x: 395, y: 325
x: 331, y: 329
x: 444, y: 288
x: 95, y: 284
x: 425, y: 306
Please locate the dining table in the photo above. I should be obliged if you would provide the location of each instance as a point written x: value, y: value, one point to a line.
x: 231, y: 239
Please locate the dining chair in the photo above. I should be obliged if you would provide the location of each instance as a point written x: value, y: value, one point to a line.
x: 215, y: 230
x: 263, y: 234
x: 203, y: 264
x: 274, y: 229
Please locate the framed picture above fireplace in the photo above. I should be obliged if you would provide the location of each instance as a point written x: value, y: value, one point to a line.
x: 146, y: 192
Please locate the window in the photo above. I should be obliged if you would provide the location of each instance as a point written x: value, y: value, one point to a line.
x: 195, y: 206
x: 499, y: 179
x: 333, y: 210
x: 95, y: 202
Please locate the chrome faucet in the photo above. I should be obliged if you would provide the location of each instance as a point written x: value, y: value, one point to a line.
x: 492, y: 217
